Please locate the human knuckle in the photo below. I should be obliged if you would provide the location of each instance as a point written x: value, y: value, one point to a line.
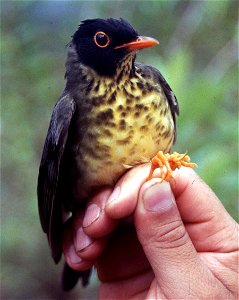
x: 170, y: 235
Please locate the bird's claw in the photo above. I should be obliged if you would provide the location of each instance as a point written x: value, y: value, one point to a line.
x: 167, y: 163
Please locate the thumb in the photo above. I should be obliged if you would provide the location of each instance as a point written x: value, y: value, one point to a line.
x: 166, y: 243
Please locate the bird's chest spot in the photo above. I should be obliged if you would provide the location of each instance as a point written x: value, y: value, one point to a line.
x: 129, y: 125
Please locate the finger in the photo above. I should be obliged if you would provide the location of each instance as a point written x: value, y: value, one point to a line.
x: 123, y: 256
x: 85, y: 236
x: 127, y: 288
x: 208, y: 223
x: 87, y: 248
x: 79, y: 243
x: 71, y: 257
x: 173, y: 258
x: 123, y: 199
x: 96, y: 223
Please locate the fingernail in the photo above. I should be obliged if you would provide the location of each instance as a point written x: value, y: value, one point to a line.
x: 92, y: 214
x: 158, y: 197
x: 73, y: 257
x: 82, y: 241
x: 115, y: 194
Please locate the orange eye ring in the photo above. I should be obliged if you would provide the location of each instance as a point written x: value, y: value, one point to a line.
x: 101, y: 35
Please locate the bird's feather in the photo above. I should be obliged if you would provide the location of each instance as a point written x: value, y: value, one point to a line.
x: 49, y: 208
x: 70, y: 277
x: 172, y: 100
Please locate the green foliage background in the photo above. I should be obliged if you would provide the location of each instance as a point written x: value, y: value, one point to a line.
x: 198, y: 54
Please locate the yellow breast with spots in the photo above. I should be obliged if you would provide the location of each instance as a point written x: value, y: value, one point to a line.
x: 130, y: 123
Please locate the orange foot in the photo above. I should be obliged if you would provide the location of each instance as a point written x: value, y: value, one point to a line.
x: 168, y: 163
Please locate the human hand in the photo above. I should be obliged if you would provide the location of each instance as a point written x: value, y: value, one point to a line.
x: 186, y: 249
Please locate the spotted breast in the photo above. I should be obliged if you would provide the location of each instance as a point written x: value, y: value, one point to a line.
x: 123, y: 121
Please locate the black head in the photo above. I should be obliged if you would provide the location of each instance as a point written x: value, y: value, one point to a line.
x: 103, y: 43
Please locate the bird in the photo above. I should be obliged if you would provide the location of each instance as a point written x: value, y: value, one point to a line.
x: 113, y: 114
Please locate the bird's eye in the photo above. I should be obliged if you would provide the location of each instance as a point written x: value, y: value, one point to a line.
x: 101, y: 39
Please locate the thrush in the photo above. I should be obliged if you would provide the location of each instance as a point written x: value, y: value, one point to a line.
x: 114, y: 113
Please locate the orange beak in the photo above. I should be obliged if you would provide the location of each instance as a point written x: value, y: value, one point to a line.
x: 140, y: 43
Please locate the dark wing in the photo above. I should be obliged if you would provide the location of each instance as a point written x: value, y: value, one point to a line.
x: 172, y: 100
x: 49, y: 208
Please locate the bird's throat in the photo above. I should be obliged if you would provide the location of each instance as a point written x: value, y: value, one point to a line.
x: 76, y: 70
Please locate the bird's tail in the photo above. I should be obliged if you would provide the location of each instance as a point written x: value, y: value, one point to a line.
x: 70, y: 277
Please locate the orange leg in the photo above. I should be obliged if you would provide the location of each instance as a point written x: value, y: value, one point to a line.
x: 168, y: 163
